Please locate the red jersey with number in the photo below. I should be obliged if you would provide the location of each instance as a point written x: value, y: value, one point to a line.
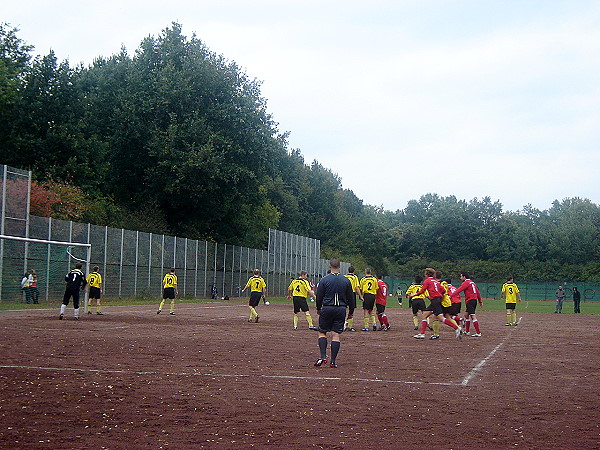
x: 433, y: 287
x: 382, y: 292
x: 470, y: 289
x: 454, y: 297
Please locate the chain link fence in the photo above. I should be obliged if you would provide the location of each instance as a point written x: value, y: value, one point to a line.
x: 529, y: 291
x: 133, y: 263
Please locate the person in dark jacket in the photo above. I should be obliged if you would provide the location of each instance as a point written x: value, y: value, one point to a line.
x: 576, y: 301
x: 560, y: 296
x: 334, y: 294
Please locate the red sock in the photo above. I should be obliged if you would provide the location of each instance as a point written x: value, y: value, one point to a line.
x: 423, y: 326
x: 385, y: 320
x: 450, y: 323
x: 467, y: 325
x: 476, y: 325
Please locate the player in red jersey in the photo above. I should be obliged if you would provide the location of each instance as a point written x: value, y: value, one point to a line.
x: 472, y: 296
x: 454, y: 310
x: 435, y: 292
x: 381, y: 302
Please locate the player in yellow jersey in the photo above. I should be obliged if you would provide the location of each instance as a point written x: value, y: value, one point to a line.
x: 352, y: 305
x: 298, y: 290
x: 399, y: 295
x: 417, y: 303
x: 258, y: 290
x: 511, y: 294
x: 170, y: 291
x: 94, y: 281
x: 368, y: 286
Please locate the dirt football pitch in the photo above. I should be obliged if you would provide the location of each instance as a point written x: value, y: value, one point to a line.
x: 206, y: 378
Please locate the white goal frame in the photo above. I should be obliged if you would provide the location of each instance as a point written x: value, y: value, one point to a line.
x: 4, y: 237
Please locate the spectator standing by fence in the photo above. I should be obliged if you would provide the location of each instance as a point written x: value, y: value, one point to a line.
x: 576, y: 301
x: 25, y: 287
x: 560, y: 296
x: 35, y: 293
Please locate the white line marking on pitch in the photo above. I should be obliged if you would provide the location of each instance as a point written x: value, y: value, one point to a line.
x: 480, y: 365
x: 225, y: 375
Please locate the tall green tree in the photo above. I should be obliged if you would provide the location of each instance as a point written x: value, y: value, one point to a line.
x: 188, y: 132
x: 14, y: 61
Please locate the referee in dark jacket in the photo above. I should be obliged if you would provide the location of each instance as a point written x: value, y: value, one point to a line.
x: 334, y: 293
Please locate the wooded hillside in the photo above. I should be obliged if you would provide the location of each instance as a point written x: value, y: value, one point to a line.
x: 177, y: 139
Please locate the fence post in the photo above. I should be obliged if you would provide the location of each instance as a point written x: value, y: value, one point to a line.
x: 185, y: 246
x: 135, y: 273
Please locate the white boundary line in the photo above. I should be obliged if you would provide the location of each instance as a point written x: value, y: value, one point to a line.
x: 465, y: 381
x: 480, y: 365
x: 183, y: 306
x: 223, y: 375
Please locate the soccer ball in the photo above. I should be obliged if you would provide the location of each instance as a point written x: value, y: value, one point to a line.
x: 267, y: 303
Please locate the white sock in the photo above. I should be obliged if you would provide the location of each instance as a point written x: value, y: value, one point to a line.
x: 62, y: 308
x: 76, y: 312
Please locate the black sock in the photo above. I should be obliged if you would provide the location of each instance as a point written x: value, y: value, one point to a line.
x: 323, y: 347
x: 335, y: 348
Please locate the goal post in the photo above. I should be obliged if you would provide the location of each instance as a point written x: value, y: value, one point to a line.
x: 49, y: 257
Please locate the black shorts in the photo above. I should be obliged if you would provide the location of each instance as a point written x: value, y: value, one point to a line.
x: 169, y: 293
x: 71, y: 293
x: 300, y: 304
x: 455, y: 309
x: 511, y: 306
x: 369, y: 302
x: 435, y: 306
x: 446, y: 309
x: 332, y: 318
x: 418, y: 304
x: 471, y: 307
x: 380, y: 308
x: 95, y: 292
x: 255, y: 298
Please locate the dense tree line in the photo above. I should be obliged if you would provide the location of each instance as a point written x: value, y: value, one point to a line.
x: 177, y: 139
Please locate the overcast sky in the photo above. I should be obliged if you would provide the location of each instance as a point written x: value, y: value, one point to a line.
x: 399, y: 98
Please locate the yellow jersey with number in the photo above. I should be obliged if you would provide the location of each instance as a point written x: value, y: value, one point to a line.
x: 299, y: 288
x: 256, y: 284
x: 94, y: 279
x: 170, y: 280
x: 368, y: 285
x: 414, y: 288
x: 510, y: 291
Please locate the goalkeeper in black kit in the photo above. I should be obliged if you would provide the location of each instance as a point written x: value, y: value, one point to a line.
x: 75, y: 280
x: 334, y: 293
